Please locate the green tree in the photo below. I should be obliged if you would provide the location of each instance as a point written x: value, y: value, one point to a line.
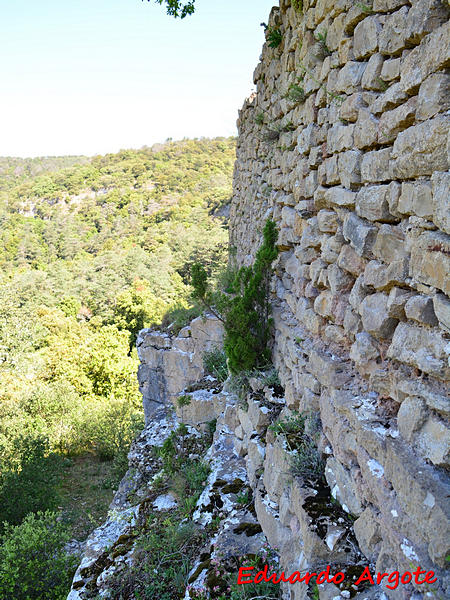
x: 175, y: 8
x: 33, y: 562
x: 246, y: 311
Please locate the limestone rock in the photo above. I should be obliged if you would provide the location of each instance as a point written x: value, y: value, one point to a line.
x: 375, y: 316
x: 441, y: 204
x: 441, y: 305
x: 372, y: 203
x: 411, y: 416
x: 365, y: 37
x: 418, y: 150
x: 359, y: 233
x: 434, y: 96
x: 420, y: 309
x: 421, y: 348
x: 430, y: 260
x: 416, y: 199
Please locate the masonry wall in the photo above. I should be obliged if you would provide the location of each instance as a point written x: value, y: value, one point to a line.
x: 345, y: 146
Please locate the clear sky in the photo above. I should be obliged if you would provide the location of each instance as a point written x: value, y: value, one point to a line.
x: 95, y: 76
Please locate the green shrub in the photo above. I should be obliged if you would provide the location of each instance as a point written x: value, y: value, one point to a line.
x: 215, y: 363
x: 30, y: 484
x: 33, y: 563
x: 274, y: 36
x: 246, y: 311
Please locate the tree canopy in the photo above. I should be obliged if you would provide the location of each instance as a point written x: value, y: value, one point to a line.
x: 175, y: 8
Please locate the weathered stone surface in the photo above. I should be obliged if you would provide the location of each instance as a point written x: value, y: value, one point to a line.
x: 392, y: 97
x: 434, y: 441
x: 339, y: 196
x: 359, y: 233
x: 342, y: 486
x: 420, y: 309
x: 441, y: 305
x: 375, y: 166
x: 349, y: 260
x: 368, y: 533
x: 441, y: 204
x: 365, y: 37
x: 338, y: 279
x: 350, y: 77
x: 349, y: 168
x: 364, y: 350
x: 393, y: 36
x: 418, y: 150
x: 431, y: 55
x: 383, y: 277
x: 371, y: 80
x: 434, y: 96
x: 327, y: 221
x: 358, y: 293
x: 375, y: 316
x: 372, y: 203
x: 339, y: 138
x: 420, y: 347
x: 366, y: 129
x: 390, y: 69
x: 351, y: 105
x: 390, y: 244
x: 396, y: 120
x: 430, y: 260
x: 411, y: 416
x: 396, y: 302
x: 416, y: 199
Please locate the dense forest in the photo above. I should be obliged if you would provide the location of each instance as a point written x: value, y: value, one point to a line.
x: 91, y: 251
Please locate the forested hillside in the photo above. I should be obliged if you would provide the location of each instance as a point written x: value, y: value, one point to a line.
x: 91, y: 251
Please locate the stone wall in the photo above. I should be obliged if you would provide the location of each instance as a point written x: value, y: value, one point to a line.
x: 169, y: 364
x: 345, y: 146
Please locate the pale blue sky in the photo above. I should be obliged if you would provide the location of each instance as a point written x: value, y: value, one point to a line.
x: 94, y: 76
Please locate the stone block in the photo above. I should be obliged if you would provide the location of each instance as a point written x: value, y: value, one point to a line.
x: 358, y: 293
x: 364, y: 350
x: 441, y: 305
x: 342, y: 486
x: 351, y: 106
x: 416, y: 199
x: 396, y: 120
x: 338, y: 279
x: 307, y: 139
x: 360, y: 233
x: 411, y: 416
x: 430, y: 260
x: 349, y: 168
x: 331, y: 170
x: 423, y: 18
x: 390, y: 244
x: 421, y: 309
x: 397, y: 299
x: 371, y: 79
x: 434, y: 441
x: 375, y: 316
x: 384, y: 6
x: 393, y: 36
x: 349, y: 260
x: 368, y: 533
x: 392, y: 97
x: 339, y: 138
x: 434, y: 96
x: 331, y: 247
x: 366, y: 129
x: 375, y: 166
x: 330, y: 372
x: 420, y: 347
x: 390, y: 69
x: 339, y: 196
x: 441, y: 205
x: 431, y: 55
x: 352, y: 323
x: 328, y: 221
x: 418, y: 150
x: 372, y: 202
x: 365, y: 37
x: 350, y: 77
x: 383, y: 277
